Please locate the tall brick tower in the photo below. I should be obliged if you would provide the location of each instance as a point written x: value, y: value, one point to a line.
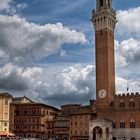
x: 104, y: 20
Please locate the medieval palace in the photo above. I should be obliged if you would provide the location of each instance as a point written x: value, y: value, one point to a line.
x: 118, y: 116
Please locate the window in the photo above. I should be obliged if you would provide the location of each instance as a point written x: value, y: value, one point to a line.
x: 75, y: 132
x: 6, y: 101
x: 109, y: 3
x: 107, y: 132
x: 139, y: 104
x: 114, y: 125
x: 122, y: 104
x: 5, y: 124
x: 122, y: 124
x: 132, y: 123
x: 71, y: 131
x: 101, y: 32
x: 131, y: 103
x: 101, y: 2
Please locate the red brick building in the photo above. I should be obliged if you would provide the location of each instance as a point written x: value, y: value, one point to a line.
x: 59, y: 127
x: 79, y: 122
x: 29, y: 119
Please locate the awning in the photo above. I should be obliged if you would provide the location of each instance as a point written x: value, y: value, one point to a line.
x: 5, y: 133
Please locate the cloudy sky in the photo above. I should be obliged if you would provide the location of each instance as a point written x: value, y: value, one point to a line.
x: 47, y: 49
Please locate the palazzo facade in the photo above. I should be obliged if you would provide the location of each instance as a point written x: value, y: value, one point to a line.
x: 118, y: 116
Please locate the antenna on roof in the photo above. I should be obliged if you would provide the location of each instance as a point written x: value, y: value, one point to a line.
x: 127, y: 88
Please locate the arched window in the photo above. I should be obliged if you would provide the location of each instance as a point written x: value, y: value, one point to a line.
x: 107, y: 132
x: 132, y: 123
x: 122, y: 124
x: 109, y: 3
x: 131, y: 103
x: 122, y: 104
x: 114, y: 138
x: 101, y: 3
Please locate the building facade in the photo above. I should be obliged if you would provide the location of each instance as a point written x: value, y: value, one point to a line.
x: 5, y: 100
x: 29, y: 120
x: 58, y: 128
x: 79, y: 123
x: 72, y: 123
x: 118, y: 116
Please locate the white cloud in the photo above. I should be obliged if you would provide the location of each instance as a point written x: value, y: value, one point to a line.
x: 18, y: 78
x: 29, y: 41
x: 127, y: 52
x: 120, y: 61
x: 3, y: 55
x: 10, y: 7
x: 130, y: 49
x: 73, y: 84
x: 122, y: 84
x: 21, y: 6
x: 128, y: 21
x: 63, y: 53
x: 5, y: 4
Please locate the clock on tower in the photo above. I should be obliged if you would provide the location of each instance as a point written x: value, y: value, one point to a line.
x: 102, y: 93
x: 104, y: 20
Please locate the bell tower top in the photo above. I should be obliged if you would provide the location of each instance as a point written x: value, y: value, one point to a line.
x: 104, y: 17
x: 103, y: 4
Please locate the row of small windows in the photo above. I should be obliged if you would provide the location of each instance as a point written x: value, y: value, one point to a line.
x: 27, y: 112
x: 79, y: 132
x: 79, y: 123
x: 29, y: 135
x: 80, y: 117
x: 103, y: 21
x: 31, y: 112
x: 26, y: 120
x: 123, y: 124
x: 27, y: 127
x: 101, y: 32
x: 131, y: 104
